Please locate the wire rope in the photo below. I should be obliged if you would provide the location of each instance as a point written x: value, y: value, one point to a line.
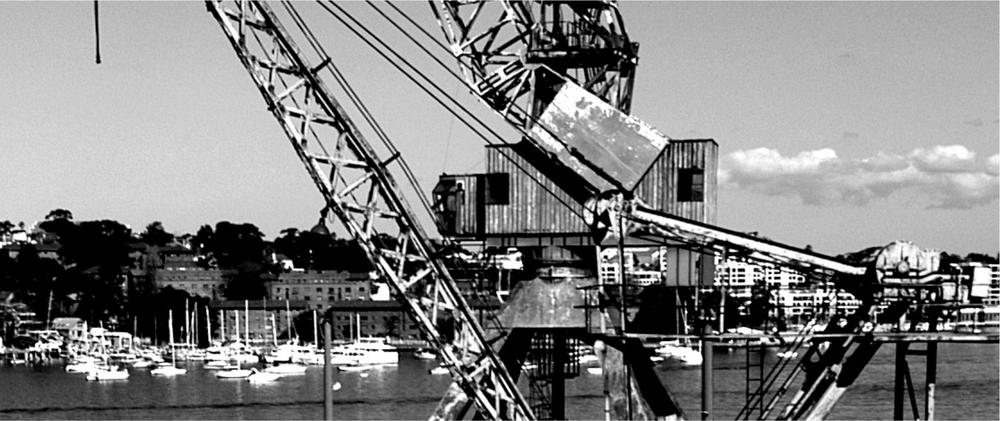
x: 440, y: 91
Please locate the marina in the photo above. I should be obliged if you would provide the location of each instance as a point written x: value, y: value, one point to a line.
x: 967, y: 389
x: 587, y: 266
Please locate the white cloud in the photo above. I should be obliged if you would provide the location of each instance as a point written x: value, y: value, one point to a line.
x: 951, y: 158
x: 942, y: 176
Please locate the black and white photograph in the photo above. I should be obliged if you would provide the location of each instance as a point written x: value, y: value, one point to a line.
x: 499, y: 209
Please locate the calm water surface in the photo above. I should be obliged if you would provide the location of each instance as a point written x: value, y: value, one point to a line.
x: 967, y: 388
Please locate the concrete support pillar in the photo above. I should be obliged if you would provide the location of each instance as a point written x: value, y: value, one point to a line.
x: 327, y: 373
x: 931, y: 380
x: 706, y: 373
x: 899, y: 384
x: 558, y: 406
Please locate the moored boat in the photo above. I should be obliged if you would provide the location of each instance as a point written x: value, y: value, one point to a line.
x: 217, y: 365
x: 261, y: 376
x: 143, y: 363
x: 115, y: 373
x: 356, y: 367
x: 286, y: 369
x: 684, y: 355
x: 424, y: 354
x: 167, y: 371
x: 237, y: 373
x: 81, y: 367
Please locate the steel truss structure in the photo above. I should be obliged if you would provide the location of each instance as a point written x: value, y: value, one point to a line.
x: 515, y: 56
x: 518, y: 57
x: 359, y: 189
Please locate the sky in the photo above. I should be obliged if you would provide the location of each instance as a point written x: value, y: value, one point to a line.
x: 840, y: 125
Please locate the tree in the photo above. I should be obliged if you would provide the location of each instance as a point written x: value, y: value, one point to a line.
x: 33, y: 279
x: 155, y: 235
x: 202, y: 242
x: 247, y: 282
x: 57, y: 228
x: 234, y: 244
x: 6, y: 227
x: 97, y: 256
x: 981, y: 258
x: 60, y: 213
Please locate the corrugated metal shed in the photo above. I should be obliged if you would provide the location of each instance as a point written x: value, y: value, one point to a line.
x: 514, y: 199
x: 533, y: 207
x: 459, y: 205
x: 660, y: 186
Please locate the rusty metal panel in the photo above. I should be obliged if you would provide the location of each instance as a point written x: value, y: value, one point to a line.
x: 541, y: 303
x: 659, y: 187
x: 621, y: 146
x: 535, y: 207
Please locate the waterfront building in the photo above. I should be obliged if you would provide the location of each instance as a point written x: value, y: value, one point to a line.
x: 177, y: 267
x: 738, y: 278
x: 352, y: 319
x: 320, y: 288
x: 984, y: 282
x: 198, y: 282
x: 993, y: 297
x: 791, y: 297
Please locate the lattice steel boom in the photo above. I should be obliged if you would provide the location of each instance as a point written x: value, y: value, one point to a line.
x: 357, y: 186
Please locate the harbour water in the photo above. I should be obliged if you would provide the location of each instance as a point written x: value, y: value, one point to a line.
x: 967, y: 388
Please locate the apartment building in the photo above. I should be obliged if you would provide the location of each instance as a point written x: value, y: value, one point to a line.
x: 317, y: 289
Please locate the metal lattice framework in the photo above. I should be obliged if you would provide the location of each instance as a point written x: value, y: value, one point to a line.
x: 358, y: 188
x: 499, y: 47
x: 496, y: 43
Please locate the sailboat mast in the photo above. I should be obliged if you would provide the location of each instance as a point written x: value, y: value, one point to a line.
x: 246, y: 319
x: 274, y: 331
x: 315, y: 338
x: 208, y: 326
x: 236, y: 315
x: 288, y: 320
x: 194, y: 324
x: 187, y: 323
x: 170, y: 325
x: 222, y: 326
x: 48, y: 312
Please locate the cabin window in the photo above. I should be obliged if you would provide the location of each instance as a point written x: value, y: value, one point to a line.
x: 690, y: 185
x: 498, y: 189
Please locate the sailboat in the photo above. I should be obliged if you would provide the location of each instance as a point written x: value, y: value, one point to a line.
x: 366, y: 352
x: 110, y: 373
x: 170, y: 370
x: 238, y: 355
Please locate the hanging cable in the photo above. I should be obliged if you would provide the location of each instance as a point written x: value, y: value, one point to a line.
x: 433, y: 39
x: 356, y: 101
x: 440, y: 91
x: 97, y: 34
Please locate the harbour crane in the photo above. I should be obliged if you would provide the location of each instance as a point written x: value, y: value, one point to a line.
x: 560, y: 73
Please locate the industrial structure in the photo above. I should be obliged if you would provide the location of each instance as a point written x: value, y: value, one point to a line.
x: 583, y: 174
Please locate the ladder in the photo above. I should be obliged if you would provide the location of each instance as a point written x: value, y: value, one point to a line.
x: 754, y: 373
